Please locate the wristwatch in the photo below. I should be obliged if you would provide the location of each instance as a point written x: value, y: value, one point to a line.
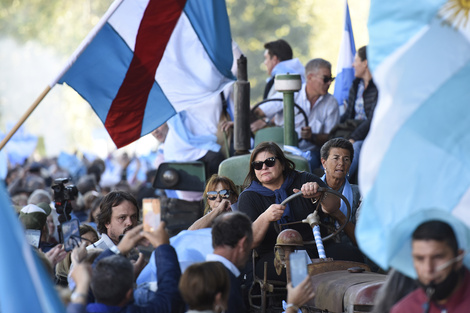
x: 267, y: 120
x: 115, y: 250
x: 77, y: 295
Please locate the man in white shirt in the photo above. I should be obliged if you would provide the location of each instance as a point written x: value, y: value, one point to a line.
x: 278, y: 59
x: 320, y: 107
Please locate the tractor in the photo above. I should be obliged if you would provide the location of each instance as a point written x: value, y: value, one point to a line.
x: 340, y: 286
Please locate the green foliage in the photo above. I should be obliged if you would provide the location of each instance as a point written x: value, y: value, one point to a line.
x: 59, y: 24
x: 255, y: 22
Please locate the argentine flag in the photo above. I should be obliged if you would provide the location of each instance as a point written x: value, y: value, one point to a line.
x: 25, y: 286
x: 415, y: 162
x: 344, y: 68
x: 148, y: 59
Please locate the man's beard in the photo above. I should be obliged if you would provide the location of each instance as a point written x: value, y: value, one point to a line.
x: 442, y: 290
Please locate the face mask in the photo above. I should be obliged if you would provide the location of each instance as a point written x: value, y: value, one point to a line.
x: 441, y: 291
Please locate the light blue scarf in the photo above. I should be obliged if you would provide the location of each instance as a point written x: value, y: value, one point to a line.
x: 347, y: 192
x: 280, y: 194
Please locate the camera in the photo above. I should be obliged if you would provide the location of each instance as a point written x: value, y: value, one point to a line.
x: 62, y: 197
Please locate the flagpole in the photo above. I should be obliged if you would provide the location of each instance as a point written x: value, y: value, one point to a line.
x: 24, y: 117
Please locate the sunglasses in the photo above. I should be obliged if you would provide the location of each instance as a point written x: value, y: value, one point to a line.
x: 224, y: 194
x: 327, y: 79
x: 258, y: 165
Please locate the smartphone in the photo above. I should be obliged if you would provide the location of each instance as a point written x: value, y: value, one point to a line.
x: 151, y: 213
x: 298, y: 267
x: 71, y: 234
x: 33, y: 237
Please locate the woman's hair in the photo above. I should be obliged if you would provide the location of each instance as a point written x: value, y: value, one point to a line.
x: 85, y: 229
x: 201, y: 282
x: 95, y: 205
x: 212, y: 183
x: 273, y: 148
x: 336, y: 143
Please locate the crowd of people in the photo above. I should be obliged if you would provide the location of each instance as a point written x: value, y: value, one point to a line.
x: 117, y: 266
x: 321, y: 109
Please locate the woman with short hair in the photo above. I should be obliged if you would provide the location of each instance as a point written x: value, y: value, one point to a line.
x: 205, y: 287
x: 336, y: 157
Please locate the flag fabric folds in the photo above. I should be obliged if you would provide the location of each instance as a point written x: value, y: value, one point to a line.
x: 344, y: 68
x: 415, y: 162
x: 25, y: 285
x: 148, y: 59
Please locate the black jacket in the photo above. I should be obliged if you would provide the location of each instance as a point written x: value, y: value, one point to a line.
x: 370, y: 101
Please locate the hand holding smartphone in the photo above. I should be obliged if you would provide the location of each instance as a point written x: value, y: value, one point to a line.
x: 71, y: 234
x: 298, y: 267
x: 33, y: 237
x: 151, y: 214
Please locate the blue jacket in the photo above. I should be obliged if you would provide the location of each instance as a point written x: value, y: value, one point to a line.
x: 236, y: 302
x: 167, y: 297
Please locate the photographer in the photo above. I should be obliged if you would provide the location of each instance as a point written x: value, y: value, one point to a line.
x: 63, y: 197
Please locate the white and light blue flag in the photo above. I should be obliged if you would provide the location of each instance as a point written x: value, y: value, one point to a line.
x: 148, y: 59
x: 344, y: 68
x: 25, y: 286
x: 415, y: 161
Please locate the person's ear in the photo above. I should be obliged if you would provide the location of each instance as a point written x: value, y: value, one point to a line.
x: 127, y: 298
x: 275, y: 59
x: 220, y: 304
x: 323, y: 161
x: 241, y: 242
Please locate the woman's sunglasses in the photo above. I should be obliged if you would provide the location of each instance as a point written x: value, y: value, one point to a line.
x: 224, y: 194
x: 258, y: 165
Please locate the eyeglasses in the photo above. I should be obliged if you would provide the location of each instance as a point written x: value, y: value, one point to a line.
x: 224, y: 194
x: 327, y: 79
x: 258, y: 165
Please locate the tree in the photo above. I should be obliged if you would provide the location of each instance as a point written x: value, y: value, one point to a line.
x: 58, y: 24
x: 254, y: 23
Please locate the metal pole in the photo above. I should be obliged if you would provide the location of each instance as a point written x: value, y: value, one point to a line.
x: 289, y: 125
x: 241, y: 137
x: 288, y: 84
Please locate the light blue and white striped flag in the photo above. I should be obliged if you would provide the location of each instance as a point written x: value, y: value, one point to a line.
x: 415, y: 161
x: 25, y: 286
x: 148, y: 59
x: 344, y: 68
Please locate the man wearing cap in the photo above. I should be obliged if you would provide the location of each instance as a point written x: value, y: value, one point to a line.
x: 444, y: 280
x: 34, y: 217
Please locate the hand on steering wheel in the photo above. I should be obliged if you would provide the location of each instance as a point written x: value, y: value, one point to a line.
x: 325, y: 193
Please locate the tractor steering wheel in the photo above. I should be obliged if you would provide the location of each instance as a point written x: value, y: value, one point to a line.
x: 301, y: 111
x: 317, y: 207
